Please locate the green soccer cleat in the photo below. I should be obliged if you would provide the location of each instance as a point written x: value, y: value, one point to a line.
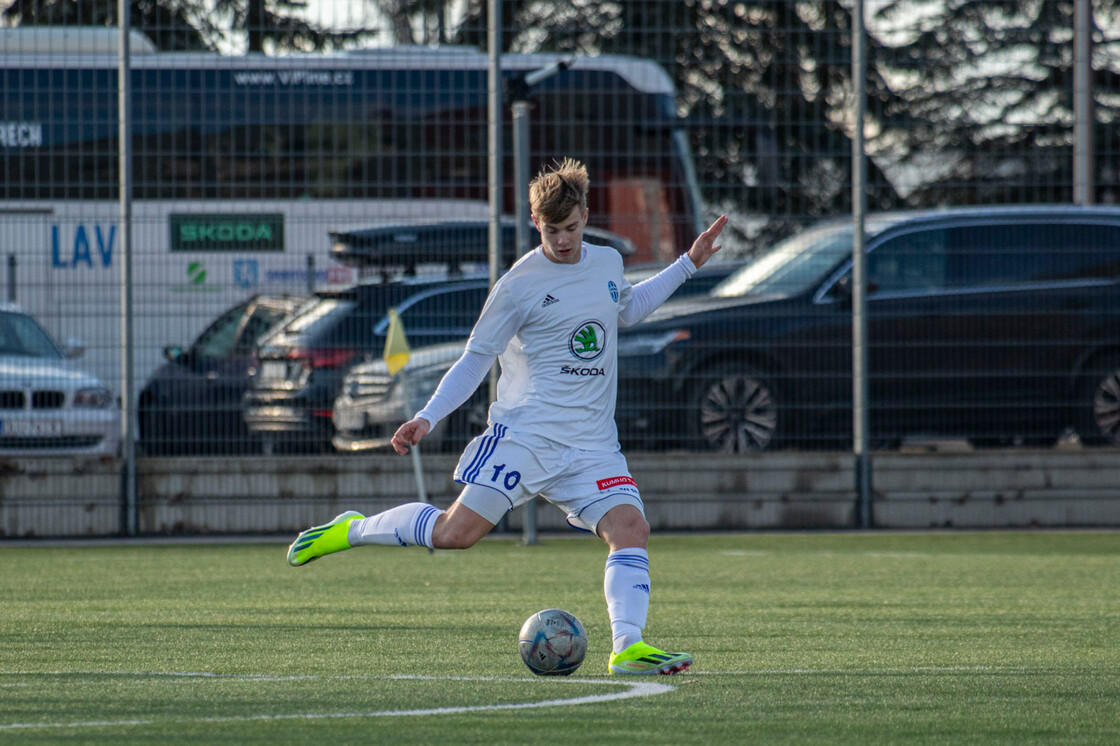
x: 320, y: 540
x: 641, y: 658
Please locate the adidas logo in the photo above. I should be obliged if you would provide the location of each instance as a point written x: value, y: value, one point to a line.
x: 549, y: 300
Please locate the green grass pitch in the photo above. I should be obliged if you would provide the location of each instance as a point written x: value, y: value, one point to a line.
x: 954, y: 638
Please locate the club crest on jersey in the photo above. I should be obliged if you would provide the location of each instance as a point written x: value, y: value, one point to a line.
x: 613, y: 290
x: 586, y: 342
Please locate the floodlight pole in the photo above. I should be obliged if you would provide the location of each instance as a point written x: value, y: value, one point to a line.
x: 1083, y: 180
x: 518, y: 93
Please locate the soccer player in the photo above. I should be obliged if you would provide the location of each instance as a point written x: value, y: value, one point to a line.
x: 552, y: 322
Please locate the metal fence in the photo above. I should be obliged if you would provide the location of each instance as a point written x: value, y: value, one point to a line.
x: 296, y: 173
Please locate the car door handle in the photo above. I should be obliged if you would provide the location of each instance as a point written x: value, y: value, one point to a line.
x: 212, y: 376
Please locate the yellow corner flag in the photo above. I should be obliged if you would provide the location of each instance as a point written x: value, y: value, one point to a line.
x: 396, y: 344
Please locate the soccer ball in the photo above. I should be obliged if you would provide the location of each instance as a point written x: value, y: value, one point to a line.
x: 552, y: 643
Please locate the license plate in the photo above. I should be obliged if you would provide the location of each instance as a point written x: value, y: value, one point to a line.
x: 350, y: 420
x: 30, y: 428
x: 273, y: 370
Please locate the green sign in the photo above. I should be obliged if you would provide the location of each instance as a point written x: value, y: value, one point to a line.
x: 227, y: 232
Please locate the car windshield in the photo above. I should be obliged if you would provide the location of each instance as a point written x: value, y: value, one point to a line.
x: 793, y: 266
x: 21, y: 335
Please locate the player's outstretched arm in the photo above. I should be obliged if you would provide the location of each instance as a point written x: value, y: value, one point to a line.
x: 456, y: 386
x: 705, y: 244
x: 409, y: 434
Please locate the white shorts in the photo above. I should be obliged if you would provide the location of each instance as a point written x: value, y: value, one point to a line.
x: 502, y: 470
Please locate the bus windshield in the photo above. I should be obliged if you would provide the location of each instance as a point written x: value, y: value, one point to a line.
x: 376, y: 124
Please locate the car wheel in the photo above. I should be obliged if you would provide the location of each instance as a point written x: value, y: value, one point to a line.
x: 736, y: 411
x: 1099, y: 405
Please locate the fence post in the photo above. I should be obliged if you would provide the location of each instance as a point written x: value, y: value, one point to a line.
x: 11, y: 278
x: 860, y: 372
x: 128, y: 382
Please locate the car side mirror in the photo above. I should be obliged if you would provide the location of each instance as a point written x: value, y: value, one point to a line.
x: 74, y: 348
x: 842, y: 291
x: 173, y: 353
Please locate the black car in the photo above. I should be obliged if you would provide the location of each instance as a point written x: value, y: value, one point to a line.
x: 300, y: 365
x: 997, y: 324
x: 192, y: 403
x: 372, y: 403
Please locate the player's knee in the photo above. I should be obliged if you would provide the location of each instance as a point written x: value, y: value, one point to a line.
x: 638, y: 531
x: 624, y: 526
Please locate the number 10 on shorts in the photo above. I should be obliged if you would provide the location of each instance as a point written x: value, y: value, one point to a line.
x: 511, y: 478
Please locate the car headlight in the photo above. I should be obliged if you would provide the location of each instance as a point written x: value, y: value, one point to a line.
x: 650, y: 344
x: 95, y: 398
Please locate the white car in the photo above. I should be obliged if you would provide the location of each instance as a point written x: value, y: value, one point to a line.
x: 48, y: 407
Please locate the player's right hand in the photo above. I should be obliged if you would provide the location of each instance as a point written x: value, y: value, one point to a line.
x: 409, y: 434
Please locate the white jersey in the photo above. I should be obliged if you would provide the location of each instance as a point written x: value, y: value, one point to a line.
x: 554, y: 328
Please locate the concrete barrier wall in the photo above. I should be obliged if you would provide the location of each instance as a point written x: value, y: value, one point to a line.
x: 64, y: 497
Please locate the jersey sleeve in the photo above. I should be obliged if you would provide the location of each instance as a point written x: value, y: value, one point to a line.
x: 649, y: 294
x: 499, y: 320
x: 457, y: 385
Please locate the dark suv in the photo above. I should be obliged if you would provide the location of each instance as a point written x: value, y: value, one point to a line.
x: 997, y: 324
x: 300, y: 365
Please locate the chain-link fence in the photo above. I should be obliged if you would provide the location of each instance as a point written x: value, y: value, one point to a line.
x: 298, y: 170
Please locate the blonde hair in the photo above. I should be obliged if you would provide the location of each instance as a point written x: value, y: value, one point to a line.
x: 556, y: 190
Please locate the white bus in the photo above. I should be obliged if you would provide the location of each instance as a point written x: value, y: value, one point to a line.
x: 243, y: 165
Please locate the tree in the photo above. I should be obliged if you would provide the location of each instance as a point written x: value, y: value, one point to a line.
x: 986, y: 88
x: 170, y: 24
x: 175, y: 25
x: 765, y: 85
x: 275, y: 23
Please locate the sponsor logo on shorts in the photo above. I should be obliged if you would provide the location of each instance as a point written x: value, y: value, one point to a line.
x: 606, y: 484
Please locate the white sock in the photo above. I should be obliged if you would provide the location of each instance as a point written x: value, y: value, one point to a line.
x: 626, y: 586
x: 404, y: 525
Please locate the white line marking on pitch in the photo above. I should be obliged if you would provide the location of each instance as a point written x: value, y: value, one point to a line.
x: 864, y: 671
x: 634, y: 689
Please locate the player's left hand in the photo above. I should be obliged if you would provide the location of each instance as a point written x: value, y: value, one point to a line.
x: 705, y: 244
x: 410, y: 434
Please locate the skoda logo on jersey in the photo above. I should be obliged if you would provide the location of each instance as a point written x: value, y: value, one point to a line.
x: 586, y: 342
x: 613, y: 289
